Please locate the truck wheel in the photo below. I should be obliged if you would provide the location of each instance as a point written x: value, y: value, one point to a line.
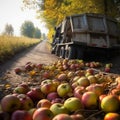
x: 57, y: 51
x: 62, y: 52
x: 70, y: 53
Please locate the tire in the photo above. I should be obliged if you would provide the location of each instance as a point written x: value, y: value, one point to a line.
x: 70, y: 53
x: 62, y: 52
x: 80, y: 52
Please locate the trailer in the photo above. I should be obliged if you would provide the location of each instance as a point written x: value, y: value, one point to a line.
x: 82, y: 33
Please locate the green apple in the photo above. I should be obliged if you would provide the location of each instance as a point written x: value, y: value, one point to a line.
x: 64, y: 89
x: 73, y: 104
x: 58, y: 108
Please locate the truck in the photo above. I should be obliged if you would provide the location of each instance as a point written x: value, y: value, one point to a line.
x: 88, y: 33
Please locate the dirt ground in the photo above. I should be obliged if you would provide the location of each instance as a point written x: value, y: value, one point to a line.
x: 38, y: 54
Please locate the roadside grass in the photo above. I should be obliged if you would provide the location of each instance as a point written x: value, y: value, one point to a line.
x: 10, y: 45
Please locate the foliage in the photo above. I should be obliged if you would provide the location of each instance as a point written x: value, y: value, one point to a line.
x: 8, y: 30
x: 27, y: 29
x: 10, y: 45
x: 37, y: 33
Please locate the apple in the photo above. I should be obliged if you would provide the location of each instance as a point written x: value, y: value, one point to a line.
x: 57, y: 100
x: 115, y: 91
x: 62, y: 117
x: 26, y: 102
x: 48, y: 88
x: 73, y: 104
x: 62, y: 77
x: 28, y: 67
x: 77, y: 117
x: 51, y: 96
x: 20, y: 90
x: 107, y: 69
x: 44, y: 103
x: 112, y: 116
x: 35, y: 94
x: 39, y: 66
x: 64, y: 89
x: 10, y: 103
x: 78, y: 92
x: 58, y: 108
x: 83, y: 81
x: 90, y: 100
x: 92, y: 79
x: 96, y: 88
x: 17, y: 70
x: 43, y: 114
x: 21, y: 115
x: 110, y: 103
x: 46, y: 75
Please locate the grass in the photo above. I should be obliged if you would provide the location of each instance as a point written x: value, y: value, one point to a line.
x: 10, y: 45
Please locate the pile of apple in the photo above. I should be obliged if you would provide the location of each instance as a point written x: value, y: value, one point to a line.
x: 65, y: 90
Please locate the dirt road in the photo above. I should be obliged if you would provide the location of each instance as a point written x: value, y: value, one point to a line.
x: 36, y: 54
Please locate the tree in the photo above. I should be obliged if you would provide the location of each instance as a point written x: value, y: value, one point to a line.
x: 37, y: 33
x: 27, y: 29
x: 8, y: 30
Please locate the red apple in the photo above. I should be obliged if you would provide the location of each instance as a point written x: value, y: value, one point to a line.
x: 62, y: 117
x: 110, y: 103
x: 96, y: 88
x: 73, y: 104
x: 112, y: 116
x: 58, y: 108
x: 90, y: 100
x: 51, y: 96
x: 17, y: 70
x: 57, y: 100
x: 26, y: 102
x: 64, y: 89
x: 21, y: 115
x: 10, y: 103
x: 35, y: 94
x: 78, y: 92
x: 43, y: 114
x: 44, y: 103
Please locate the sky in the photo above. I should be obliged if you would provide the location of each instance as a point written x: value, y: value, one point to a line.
x: 11, y: 13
